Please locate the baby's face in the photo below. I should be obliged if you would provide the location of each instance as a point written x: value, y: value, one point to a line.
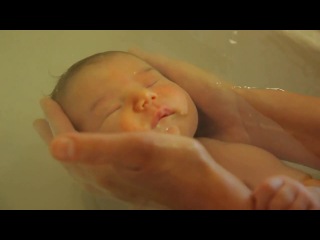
x: 125, y: 94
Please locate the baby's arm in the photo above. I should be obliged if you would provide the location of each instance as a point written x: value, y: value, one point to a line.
x: 274, y: 185
x: 282, y: 192
x: 250, y: 164
x: 298, y: 114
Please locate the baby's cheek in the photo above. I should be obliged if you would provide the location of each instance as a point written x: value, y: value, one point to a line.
x: 111, y: 124
x: 173, y: 94
x: 125, y: 121
x: 131, y: 123
x: 127, y: 126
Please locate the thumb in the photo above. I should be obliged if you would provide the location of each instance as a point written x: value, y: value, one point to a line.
x: 99, y: 149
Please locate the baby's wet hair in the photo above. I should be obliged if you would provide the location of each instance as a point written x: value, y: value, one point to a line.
x: 76, y: 67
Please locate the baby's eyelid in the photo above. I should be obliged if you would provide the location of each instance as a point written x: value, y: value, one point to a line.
x: 113, y: 111
x: 154, y: 82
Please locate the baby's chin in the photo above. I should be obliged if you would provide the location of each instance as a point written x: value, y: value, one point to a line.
x: 174, y: 130
x: 167, y: 129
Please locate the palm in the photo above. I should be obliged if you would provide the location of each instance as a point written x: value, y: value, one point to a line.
x: 223, y: 121
x: 223, y: 113
x: 150, y: 168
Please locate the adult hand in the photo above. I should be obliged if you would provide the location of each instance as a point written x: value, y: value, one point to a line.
x: 284, y: 193
x: 226, y: 114
x: 55, y: 122
x: 220, y: 108
x: 174, y: 171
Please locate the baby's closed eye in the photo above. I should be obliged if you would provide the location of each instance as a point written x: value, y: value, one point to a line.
x: 112, y: 110
x: 150, y: 83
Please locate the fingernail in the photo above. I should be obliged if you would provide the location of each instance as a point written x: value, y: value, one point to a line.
x: 63, y: 148
x: 276, y: 183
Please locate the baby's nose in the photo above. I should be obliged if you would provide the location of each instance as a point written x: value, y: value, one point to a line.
x: 144, y: 99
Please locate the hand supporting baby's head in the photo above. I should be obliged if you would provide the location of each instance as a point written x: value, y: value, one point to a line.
x: 118, y: 92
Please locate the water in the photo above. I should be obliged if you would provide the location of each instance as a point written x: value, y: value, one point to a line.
x: 30, y: 179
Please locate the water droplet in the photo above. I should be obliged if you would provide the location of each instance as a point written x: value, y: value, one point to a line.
x: 231, y: 41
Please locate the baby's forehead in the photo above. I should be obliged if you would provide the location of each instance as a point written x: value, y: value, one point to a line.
x: 118, y: 66
x: 121, y: 63
x: 122, y: 58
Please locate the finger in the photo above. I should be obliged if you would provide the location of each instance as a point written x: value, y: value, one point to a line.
x: 265, y: 192
x: 56, y: 117
x: 283, y: 198
x: 43, y: 129
x: 300, y: 203
x: 127, y: 150
x: 95, y: 149
x: 307, y: 199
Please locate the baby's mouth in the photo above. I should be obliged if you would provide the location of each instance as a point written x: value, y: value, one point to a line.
x: 160, y: 114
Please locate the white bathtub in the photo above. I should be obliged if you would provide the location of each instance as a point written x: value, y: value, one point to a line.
x: 31, y: 179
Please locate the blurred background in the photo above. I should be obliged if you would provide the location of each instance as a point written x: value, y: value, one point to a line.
x: 31, y: 61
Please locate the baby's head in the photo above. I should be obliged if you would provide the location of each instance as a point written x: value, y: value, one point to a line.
x: 118, y: 92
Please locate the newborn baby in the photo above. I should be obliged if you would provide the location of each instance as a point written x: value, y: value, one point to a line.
x: 117, y: 92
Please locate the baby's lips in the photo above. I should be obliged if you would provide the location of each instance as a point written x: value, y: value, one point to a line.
x: 162, y: 112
